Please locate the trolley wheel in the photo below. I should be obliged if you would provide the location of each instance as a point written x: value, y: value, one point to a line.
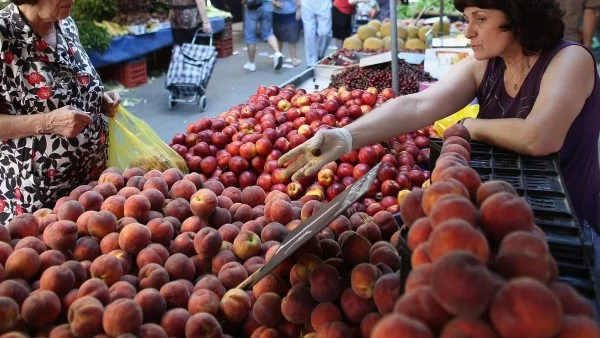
x: 202, y: 102
x: 172, y: 102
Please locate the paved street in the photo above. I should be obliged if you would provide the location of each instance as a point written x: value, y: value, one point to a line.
x: 229, y: 85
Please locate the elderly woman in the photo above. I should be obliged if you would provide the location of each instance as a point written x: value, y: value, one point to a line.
x: 538, y: 95
x: 51, y: 101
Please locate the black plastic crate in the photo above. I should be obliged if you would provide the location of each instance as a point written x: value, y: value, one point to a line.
x: 539, y: 181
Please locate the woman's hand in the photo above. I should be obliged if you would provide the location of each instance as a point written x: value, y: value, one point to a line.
x: 110, y: 102
x: 206, y: 27
x: 307, y: 158
x: 67, y: 121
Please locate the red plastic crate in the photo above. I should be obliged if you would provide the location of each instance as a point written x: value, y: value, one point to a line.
x: 132, y: 74
x: 224, y: 47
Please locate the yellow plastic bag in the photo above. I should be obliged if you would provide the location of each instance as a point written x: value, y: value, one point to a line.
x: 469, y: 111
x: 132, y: 143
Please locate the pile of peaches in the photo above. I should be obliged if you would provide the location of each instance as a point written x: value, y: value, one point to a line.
x: 240, y: 147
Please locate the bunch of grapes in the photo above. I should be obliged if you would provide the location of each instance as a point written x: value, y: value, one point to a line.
x: 380, y: 77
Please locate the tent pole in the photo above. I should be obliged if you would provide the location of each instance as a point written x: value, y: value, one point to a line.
x: 394, y: 26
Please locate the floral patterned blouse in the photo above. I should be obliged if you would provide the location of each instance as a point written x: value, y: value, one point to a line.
x: 36, y: 78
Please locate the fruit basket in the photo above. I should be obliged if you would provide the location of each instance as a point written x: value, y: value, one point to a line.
x: 540, y: 182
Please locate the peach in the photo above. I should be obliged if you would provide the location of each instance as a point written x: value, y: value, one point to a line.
x: 22, y: 226
x: 203, y: 203
x: 124, y: 258
x: 273, y: 231
x: 4, y: 235
x: 115, y: 205
x: 128, y: 192
x: 355, y: 249
x: 85, y: 316
x: 368, y: 323
x: 45, y: 216
x: 440, y: 190
x: 86, y: 249
x: 335, y: 329
x: 233, y: 193
x: 456, y: 234
x: 121, y: 317
x: 359, y: 218
x: 232, y: 274
x: 184, y: 243
x: 137, y: 182
x: 502, y: 213
x: 522, y: 254
x: 212, y: 283
x: 308, y: 209
x: 354, y: 307
x: 572, y: 303
x: 9, y: 311
x: 419, y: 232
x: 152, y: 276
x: 253, y: 226
x: 385, y: 292
x: 179, y: 266
x: 60, y: 202
x: 152, y: 303
x: 397, y: 325
x: 370, y: 231
x: 112, y: 177
x: 298, y: 304
x: 235, y: 305
x: 526, y: 307
x: 153, y: 173
x: 214, y: 185
x: 57, y: 279
x: 61, y: 235
x: 109, y: 242
x: 224, y: 202
x: 325, y: 313
x: 121, y: 289
x: 130, y: 172
x: 77, y: 192
x: 241, y: 213
x: 412, y: 206
x: 270, y: 283
x: 91, y: 200
x: 419, y: 276
x: 183, y: 189
x: 133, y: 238
x: 138, y: 207
x: 278, y: 210
x: 40, y: 309
x: 265, y: 332
x: 175, y: 294
x: 151, y: 330
x: 246, y: 244
x: 14, y: 289
x: 254, y: 263
x: 157, y: 183
x: 276, y: 194
x: 363, y: 278
x: 5, y: 251
x: 203, y: 325
x: 94, y: 288
x: 22, y: 263
x: 219, y: 217
x: 330, y: 248
x: 207, y: 242
x: 267, y: 309
x: 82, y: 222
x: 32, y: 243
x: 107, y: 268
x: 78, y: 272
x: 461, y: 284
x: 387, y: 224
x: 489, y: 188
x: 203, y: 300
x: 457, y: 130
x: 578, y: 326
x: 51, y: 258
x: 174, y: 322
x: 171, y: 176
x: 70, y: 211
x: 228, y: 232
x: 253, y: 196
x: 178, y: 208
x: 324, y: 283
x: 467, y: 327
x: 465, y: 175
x: 453, y: 206
x: 420, y: 304
x: 220, y: 259
x: 161, y: 231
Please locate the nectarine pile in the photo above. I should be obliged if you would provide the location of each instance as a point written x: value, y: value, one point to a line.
x: 240, y: 147
x: 481, y: 267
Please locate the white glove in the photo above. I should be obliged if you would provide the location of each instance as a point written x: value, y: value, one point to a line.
x: 326, y: 146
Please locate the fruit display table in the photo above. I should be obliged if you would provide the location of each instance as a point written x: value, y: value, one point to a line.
x: 128, y: 47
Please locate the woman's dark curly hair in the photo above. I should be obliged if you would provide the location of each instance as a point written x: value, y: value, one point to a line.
x: 25, y: 2
x: 537, y: 24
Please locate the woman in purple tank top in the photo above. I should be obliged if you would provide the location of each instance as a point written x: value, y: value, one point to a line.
x: 538, y: 95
